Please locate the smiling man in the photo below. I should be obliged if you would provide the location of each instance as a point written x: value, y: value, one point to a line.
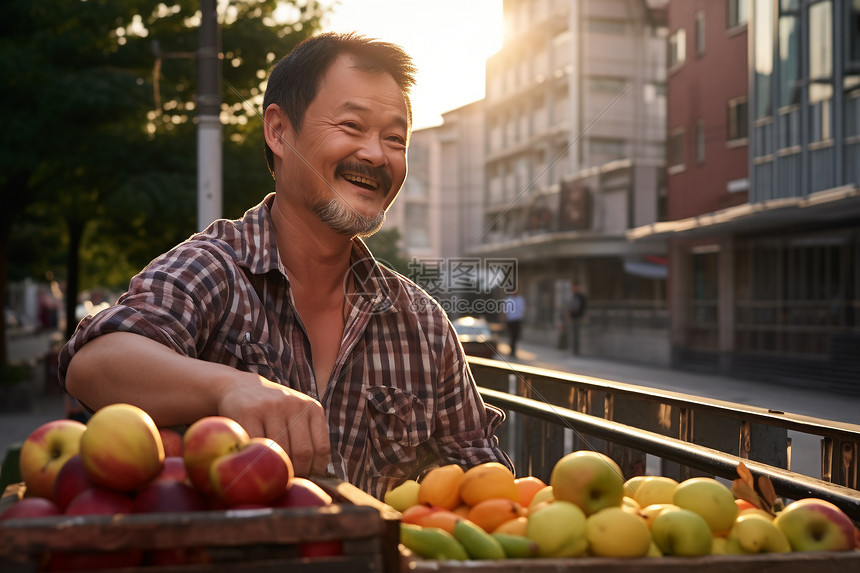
x: 283, y: 320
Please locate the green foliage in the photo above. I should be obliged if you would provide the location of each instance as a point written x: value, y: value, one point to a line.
x: 98, y: 151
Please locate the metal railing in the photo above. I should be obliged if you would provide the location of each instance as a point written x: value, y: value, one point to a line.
x: 552, y: 413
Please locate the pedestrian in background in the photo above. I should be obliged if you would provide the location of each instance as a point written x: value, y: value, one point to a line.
x: 515, y: 310
x: 575, y: 311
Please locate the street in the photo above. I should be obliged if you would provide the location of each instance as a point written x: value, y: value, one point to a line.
x: 48, y: 405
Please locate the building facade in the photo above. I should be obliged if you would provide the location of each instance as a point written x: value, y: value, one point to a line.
x: 575, y: 144
x: 765, y: 274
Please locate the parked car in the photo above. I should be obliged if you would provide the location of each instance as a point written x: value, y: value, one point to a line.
x: 476, y: 336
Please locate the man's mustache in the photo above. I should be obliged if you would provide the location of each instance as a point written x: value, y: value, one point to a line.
x: 375, y: 173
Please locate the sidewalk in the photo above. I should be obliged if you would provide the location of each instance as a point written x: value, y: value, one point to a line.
x: 803, y: 401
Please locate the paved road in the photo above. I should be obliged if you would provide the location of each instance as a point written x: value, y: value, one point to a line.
x: 15, y: 426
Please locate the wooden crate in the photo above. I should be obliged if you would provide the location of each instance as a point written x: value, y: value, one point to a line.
x: 796, y: 562
x: 249, y: 541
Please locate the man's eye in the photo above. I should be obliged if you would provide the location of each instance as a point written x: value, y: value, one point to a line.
x: 351, y: 125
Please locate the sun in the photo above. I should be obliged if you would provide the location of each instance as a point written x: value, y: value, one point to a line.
x: 449, y: 41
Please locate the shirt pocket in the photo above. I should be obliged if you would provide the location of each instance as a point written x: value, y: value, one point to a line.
x: 252, y: 357
x: 398, y: 424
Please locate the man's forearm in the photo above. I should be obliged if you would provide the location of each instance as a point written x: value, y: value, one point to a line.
x: 126, y: 367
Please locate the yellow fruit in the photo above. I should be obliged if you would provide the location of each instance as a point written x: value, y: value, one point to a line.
x: 516, y: 526
x: 440, y: 487
x: 655, y: 489
x: 487, y: 481
x: 614, y: 532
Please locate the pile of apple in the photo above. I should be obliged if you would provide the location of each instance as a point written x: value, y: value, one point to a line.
x: 588, y: 509
x: 120, y: 462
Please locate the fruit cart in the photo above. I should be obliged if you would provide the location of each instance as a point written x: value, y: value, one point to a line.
x: 251, y: 541
x: 550, y: 414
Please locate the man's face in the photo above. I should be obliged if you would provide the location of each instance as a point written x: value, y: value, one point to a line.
x: 349, y: 158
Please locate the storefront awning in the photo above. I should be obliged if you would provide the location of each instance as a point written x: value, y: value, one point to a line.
x: 833, y: 205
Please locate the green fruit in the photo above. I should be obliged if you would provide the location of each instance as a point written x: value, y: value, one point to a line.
x: 516, y: 545
x: 431, y: 542
x: 478, y: 543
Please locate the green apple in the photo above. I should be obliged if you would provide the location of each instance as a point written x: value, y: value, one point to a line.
x: 654, y: 489
x: 403, y: 496
x: 615, y: 532
x: 558, y: 528
x: 814, y: 524
x: 681, y: 532
x: 588, y: 479
x: 710, y: 499
x: 755, y: 533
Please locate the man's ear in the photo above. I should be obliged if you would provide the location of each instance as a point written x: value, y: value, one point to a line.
x: 276, y: 129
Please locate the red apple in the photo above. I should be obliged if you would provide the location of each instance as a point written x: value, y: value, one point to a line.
x: 206, y: 440
x: 258, y: 472
x: 97, y: 500
x: 302, y: 492
x: 172, y: 441
x: 168, y: 496
x: 332, y: 548
x: 813, y: 524
x: 174, y: 470
x: 71, y: 480
x: 121, y: 447
x: 31, y: 507
x: 45, y: 451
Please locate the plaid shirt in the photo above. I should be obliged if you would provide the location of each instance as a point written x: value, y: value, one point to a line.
x: 401, y: 397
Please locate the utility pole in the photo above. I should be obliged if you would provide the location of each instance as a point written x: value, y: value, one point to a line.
x: 209, y: 176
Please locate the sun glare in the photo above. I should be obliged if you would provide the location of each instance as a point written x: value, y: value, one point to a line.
x: 449, y: 40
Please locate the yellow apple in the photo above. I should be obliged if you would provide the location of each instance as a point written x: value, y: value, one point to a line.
x: 632, y: 484
x: 630, y: 504
x: 588, y: 479
x: 710, y: 499
x: 403, y: 496
x: 45, y: 451
x: 614, y: 532
x: 559, y: 530
x: 654, y: 489
x: 681, y: 532
x: 121, y: 447
x: 650, y: 512
x: 754, y: 533
x: 543, y: 495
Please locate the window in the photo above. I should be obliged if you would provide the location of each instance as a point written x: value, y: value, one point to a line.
x: 700, y: 141
x: 700, y: 34
x: 853, y: 36
x: 736, y: 122
x: 607, y: 26
x: 676, y: 150
x: 416, y: 218
x: 736, y: 13
x: 607, y: 85
x: 789, y: 57
x: 763, y: 58
x: 820, y: 69
x: 677, y: 48
x: 607, y: 146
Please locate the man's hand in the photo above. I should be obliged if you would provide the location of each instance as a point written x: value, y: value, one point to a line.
x: 294, y: 420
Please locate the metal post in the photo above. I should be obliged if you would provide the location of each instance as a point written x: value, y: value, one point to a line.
x: 208, y: 110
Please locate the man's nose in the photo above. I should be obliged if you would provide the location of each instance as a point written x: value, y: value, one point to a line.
x: 372, y: 151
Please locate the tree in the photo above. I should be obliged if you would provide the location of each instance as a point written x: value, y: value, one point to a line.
x: 99, y: 117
